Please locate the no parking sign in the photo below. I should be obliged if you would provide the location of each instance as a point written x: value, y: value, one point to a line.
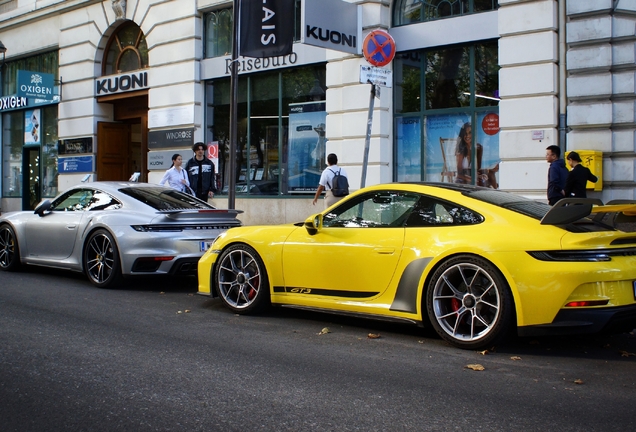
x: 379, y: 48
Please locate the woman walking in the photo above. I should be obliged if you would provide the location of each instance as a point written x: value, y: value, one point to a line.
x: 176, y: 176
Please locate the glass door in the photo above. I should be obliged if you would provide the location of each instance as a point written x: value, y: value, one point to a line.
x: 32, y: 192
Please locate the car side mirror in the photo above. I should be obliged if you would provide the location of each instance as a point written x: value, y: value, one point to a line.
x: 42, y: 207
x: 313, y: 224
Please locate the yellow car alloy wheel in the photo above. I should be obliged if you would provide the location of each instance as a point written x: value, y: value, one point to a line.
x: 241, y: 279
x: 469, y: 303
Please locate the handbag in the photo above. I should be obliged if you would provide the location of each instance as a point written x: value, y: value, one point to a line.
x: 187, y: 189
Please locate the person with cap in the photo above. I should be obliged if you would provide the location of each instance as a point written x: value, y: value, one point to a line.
x: 578, y: 177
x: 201, y: 173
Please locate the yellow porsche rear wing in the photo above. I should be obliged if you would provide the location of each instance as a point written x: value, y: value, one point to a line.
x: 570, y: 210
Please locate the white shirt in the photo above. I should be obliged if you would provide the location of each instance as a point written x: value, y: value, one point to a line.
x: 174, y: 178
x: 327, y: 176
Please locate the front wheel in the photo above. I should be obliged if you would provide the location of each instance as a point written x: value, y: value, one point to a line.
x: 9, y: 251
x: 469, y: 303
x: 101, y: 260
x: 241, y: 279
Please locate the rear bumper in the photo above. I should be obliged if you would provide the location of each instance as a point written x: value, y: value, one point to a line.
x: 586, y: 321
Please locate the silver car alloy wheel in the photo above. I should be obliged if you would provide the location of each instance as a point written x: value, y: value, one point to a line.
x: 466, y: 302
x: 100, y: 258
x: 7, y: 247
x: 239, y: 278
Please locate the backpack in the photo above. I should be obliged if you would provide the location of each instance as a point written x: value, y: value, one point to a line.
x: 340, y: 184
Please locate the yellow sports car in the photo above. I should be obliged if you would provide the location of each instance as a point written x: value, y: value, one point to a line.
x: 478, y: 264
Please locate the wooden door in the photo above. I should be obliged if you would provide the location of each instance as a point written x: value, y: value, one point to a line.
x: 113, y: 143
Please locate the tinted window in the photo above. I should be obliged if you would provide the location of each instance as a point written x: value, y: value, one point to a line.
x: 373, y: 210
x: 165, y: 199
x: 85, y: 200
x: 433, y: 212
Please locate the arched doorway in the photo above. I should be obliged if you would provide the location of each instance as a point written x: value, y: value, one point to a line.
x: 122, y: 146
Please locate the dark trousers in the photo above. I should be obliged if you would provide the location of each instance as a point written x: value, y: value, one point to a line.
x: 552, y: 201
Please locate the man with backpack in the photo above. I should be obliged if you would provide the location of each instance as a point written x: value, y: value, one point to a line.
x: 334, y: 181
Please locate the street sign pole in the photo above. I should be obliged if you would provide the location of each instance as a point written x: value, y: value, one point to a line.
x: 378, y: 49
x: 231, y: 191
x: 367, y: 139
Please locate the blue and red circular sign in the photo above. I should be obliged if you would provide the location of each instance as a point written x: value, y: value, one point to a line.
x: 379, y: 48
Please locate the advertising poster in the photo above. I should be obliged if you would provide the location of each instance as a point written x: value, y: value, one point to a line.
x: 446, y: 135
x: 307, y: 145
x: 409, y: 149
x: 32, y: 126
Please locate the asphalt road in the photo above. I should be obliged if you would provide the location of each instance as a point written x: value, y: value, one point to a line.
x: 156, y: 357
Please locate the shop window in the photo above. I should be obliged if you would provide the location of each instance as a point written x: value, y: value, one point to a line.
x: 218, y: 37
x: 35, y: 129
x: 281, y: 131
x: 46, y: 63
x: 126, y: 50
x: 12, y: 141
x: 218, y: 30
x: 452, y: 125
x: 414, y: 11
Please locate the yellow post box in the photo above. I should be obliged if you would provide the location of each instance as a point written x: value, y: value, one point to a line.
x: 593, y: 160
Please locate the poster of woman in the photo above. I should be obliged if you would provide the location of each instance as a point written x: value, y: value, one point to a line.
x: 32, y: 126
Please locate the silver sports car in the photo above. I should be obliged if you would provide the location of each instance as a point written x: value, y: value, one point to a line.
x: 113, y: 229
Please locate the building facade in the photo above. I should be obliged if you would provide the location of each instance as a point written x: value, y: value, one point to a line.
x: 135, y: 82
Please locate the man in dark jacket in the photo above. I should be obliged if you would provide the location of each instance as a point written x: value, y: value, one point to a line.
x: 201, y: 173
x: 577, y: 179
x: 557, y: 174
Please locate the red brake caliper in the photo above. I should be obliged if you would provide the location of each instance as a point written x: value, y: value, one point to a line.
x: 455, y: 304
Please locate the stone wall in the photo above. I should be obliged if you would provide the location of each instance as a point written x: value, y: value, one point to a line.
x: 601, y: 84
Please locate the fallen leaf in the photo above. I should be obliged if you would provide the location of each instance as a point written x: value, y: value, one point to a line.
x: 484, y: 352
x: 187, y: 311
x: 179, y: 312
x: 475, y: 367
x: 627, y: 354
x: 373, y: 336
x: 420, y: 341
x: 161, y: 293
x: 324, y: 331
x: 515, y: 358
x: 578, y: 381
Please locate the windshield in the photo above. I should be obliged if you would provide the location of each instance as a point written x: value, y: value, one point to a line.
x: 160, y: 198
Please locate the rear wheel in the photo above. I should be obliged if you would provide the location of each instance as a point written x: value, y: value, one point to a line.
x: 101, y: 260
x: 9, y: 251
x: 241, y: 279
x: 469, y: 303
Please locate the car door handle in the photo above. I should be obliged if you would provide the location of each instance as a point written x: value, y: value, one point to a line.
x: 384, y: 251
x: 71, y: 227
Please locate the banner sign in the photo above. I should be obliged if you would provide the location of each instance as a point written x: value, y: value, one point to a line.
x: 332, y: 24
x: 172, y: 138
x: 77, y: 164
x: 36, y: 85
x: 75, y: 146
x: 266, y: 28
